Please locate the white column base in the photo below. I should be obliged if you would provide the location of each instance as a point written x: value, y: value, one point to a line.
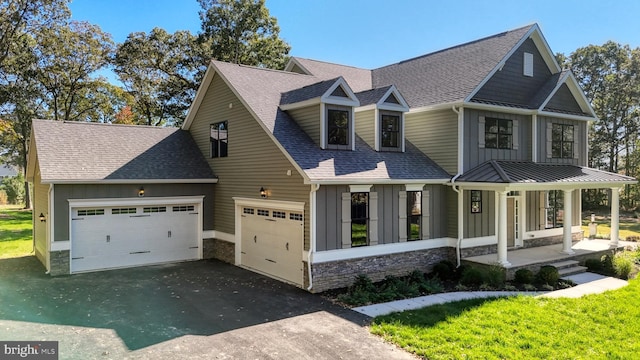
x: 568, y: 252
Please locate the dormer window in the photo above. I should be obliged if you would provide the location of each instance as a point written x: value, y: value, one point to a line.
x: 390, y: 126
x: 338, y: 127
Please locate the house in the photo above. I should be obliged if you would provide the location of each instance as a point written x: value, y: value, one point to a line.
x: 322, y: 171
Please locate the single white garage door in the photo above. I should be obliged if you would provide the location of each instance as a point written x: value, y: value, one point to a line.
x: 272, y: 241
x: 122, y: 236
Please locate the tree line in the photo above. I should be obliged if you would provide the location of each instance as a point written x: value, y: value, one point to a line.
x: 49, y: 66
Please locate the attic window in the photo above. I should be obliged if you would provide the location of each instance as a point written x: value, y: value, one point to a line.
x: 339, y: 92
x: 528, y: 64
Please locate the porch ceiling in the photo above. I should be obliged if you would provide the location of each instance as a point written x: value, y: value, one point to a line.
x: 525, y: 175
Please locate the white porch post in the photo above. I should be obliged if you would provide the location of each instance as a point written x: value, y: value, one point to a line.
x: 502, y: 229
x: 615, y: 216
x: 566, y: 219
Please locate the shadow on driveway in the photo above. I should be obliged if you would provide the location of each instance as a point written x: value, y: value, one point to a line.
x: 153, y: 304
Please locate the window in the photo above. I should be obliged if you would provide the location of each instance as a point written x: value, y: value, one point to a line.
x: 91, y: 212
x: 262, y: 212
x: 295, y: 216
x: 554, y: 209
x: 476, y: 201
x: 183, y: 208
x: 279, y: 214
x: 359, y: 218
x: 562, y: 141
x: 118, y: 211
x: 249, y: 211
x: 414, y: 214
x: 498, y: 133
x: 390, y: 130
x: 338, y: 132
x: 154, y: 209
x: 219, y: 139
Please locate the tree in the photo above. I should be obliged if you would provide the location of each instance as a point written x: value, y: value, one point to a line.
x: 242, y: 32
x: 162, y: 72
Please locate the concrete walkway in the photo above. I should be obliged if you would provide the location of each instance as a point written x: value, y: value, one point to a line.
x: 587, y: 283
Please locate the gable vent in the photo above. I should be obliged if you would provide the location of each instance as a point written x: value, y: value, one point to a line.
x: 528, y: 64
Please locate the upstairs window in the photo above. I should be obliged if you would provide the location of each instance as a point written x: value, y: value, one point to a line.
x: 390, y: 130
x: 359, y: 219
x: 338, y: 128
x: 498, y: 134
x: 562, y: 141
x: 219, y: 139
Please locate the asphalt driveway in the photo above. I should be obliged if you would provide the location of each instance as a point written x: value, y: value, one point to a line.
x: 204, y: 309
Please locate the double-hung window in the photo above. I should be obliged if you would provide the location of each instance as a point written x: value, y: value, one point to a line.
x: 562, y: 141
x: 414, y: 215
x: 390, y: 131
x: 338, y: 127
x: 498, y: 133
x: 219, y: 139
x: 554, y: 209
x: 359, y: 218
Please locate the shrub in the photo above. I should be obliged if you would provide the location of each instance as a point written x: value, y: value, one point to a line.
x: 593, y: 265
x: 472, y: 276
x: 495, y: 276
x: 523, y: 276
x: 607, y: 264
x: 633, y: 238
x: 510, y: 288
x: 360, y: 292
x: 548, y: 275
x: 622, y: 265
x: 444, y: 270
x: 529, y: 287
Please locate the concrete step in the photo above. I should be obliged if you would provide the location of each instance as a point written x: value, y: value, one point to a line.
x: 571, y: 271
x: 565, y: 264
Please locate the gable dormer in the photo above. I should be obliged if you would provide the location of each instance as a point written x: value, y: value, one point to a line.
x: 380, y: 118
x: 324, y: 110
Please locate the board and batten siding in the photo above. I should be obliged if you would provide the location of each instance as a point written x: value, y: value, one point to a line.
x: 309, y: 120
x: 535, y: 210
x: 365, y: 126
x: 63, y: 192
x: 436, y: 135
x: 253, y: 161
x: 544, y: 140
x: 41, y: 206
x: 329, y: 214
x: 510, y: 85
x: 482, y: 223
x: 475, y: 155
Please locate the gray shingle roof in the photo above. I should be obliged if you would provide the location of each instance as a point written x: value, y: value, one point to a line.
x: 448, y: 75
x: 372, y: 96
x: 261, y: 89
x: 307, y: 92
x: 80, y: 151
x: 357, y: 78
x: 526, y: 172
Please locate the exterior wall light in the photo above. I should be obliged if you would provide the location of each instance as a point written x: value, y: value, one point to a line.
x: 263, y: 193
x: 141, y: 192
x: 42, y: 217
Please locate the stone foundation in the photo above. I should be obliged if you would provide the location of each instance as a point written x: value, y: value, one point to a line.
x: 219, y: 249
x: 550, y: 240
x: 59, y: 262
x: 338, y: 274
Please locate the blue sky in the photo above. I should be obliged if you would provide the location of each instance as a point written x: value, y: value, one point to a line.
x: 375, y: 33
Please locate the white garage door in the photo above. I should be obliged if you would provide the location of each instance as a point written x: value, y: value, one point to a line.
x: 272, y: 242
x: 121, y: 236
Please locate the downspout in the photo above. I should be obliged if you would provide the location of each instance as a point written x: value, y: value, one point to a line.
x: 460, y: 202
x: 312, y: 230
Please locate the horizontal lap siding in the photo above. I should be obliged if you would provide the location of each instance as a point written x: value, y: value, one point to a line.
x: 436, y: 135
x: 94, y: 191
x: 474, y: 155
x: 41, y: 206
x: 365, y: 126
x: 309, y: 120
x: 254, y: 160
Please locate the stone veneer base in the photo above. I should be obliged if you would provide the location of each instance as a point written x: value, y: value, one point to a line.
x: 219, y: 249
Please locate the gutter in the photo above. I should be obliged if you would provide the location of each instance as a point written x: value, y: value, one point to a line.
x: 312, y: 231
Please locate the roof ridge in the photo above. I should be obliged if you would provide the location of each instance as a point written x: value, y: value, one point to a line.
x: 331, y: 63
x: 72, y: 122
x: 500, y: 171
x: 458, y: 46
x: 262, y: 68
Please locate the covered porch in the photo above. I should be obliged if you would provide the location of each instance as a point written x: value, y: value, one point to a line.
x: 511, y: 181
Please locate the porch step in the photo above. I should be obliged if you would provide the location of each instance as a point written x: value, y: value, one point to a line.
x: 569, y: 267
x: 565, y: 264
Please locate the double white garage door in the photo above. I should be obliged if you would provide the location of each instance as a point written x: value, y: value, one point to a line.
x: 272, y: 242
x: 104, y: 237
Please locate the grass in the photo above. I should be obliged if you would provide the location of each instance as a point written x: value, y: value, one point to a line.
x: 601, y: 326
x: 628, y: 227
x: 15, y: 232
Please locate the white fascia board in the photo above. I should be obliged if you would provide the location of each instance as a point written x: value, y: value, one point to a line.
x: 301, y: 104
x: 380, y: 181
x: 264, y: 127
x: 32, y: 158
x: 292, y: 62
x: 392, y: 107
x: 202, y: 90
x: 136, y: 201
x: 365, y: 108
x: 571, y: 82
x: 543, y: 186
x: 130, y: 181
x: 276, y: 204
x: 352, y: 98
x: 498, y: 108
x: 566, y: 116
x: 547, y: 54
x: 442, y: 106
x: 560, y: 82
x: 403, y: 106
x: 354, y: 188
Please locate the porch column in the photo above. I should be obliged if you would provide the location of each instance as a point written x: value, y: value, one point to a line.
x: 615, y: 216
x: 566, y: 220
x: 502, y: 229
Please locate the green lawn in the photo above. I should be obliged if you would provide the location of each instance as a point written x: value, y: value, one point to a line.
x: 15, y: 232
x: 628, y: 227
x: 601, y: 326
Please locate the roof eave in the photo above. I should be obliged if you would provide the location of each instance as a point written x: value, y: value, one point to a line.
x: 127, y: 181
x: 378, y: 181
